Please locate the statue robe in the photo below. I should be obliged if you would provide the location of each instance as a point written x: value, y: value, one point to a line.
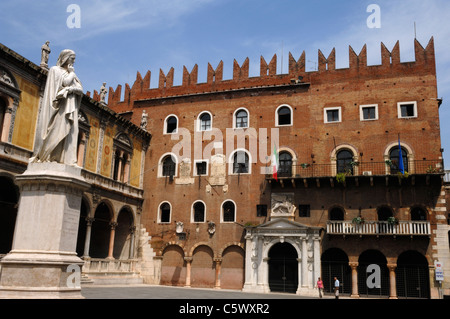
x: 57, y: 131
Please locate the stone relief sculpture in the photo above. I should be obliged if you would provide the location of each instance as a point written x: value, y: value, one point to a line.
x: 144, y: 120
x: 283, y: 205
x: 211, y: 228
x: 57, y: 130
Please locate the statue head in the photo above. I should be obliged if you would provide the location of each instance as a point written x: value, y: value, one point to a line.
x: 66, y: 56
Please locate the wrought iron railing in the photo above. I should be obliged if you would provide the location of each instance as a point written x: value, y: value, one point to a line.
x: 361, y: 169
x: 409, y: 228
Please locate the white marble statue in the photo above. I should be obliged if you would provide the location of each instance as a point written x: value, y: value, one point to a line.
x: 57, y: 131
x: 45, y: 53
x: 103, y: 92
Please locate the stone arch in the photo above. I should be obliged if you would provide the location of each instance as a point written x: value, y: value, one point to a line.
x: 373, y: 257
x: 283, y: 266
x: 173, y: 265
x: 101, y: 230
x: 412, y: 275
x: 203, y: 272
x: 335, y: 263
x: 124, y: 232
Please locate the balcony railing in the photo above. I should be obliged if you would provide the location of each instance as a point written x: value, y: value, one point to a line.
x: 403, y: 228
x: 360, y: 169
x: 102, y: 266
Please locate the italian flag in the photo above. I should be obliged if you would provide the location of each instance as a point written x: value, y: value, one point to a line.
x: 275, y: 162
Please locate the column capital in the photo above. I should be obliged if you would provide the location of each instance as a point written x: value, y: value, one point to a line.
x: 188, y: 259
x: 353, y: 264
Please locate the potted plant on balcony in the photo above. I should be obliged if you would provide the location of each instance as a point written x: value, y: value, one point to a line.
x: 392, y: 220
x: 358, y: 220
x: 305, y: 165
x: 340, y: 177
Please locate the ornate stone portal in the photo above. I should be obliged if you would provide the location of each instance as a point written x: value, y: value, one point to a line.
x: 261, y: 239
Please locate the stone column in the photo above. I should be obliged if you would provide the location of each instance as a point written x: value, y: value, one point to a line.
x: 354, y: 267
x: 87, y: 241
x: 218, y: 262
x: 132, y: 233
x: 317, y: 265
x: 392, y: 281
x: 111, y: 240
x: 304, y: 263
x: 6, y: 124
x: 188, y: 271
x: 43, y: 262
x: 248, y: 263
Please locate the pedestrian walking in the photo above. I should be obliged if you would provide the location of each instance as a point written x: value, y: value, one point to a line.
x: 336, y: 288
x: 319, y: 286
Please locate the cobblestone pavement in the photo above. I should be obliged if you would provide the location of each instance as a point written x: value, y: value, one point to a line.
x: 164, y: 292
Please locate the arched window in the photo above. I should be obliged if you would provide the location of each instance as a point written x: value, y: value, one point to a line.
x: 122, y: 153
x: 171, y: 125
x: 394, y: 156
x: 284, y: 116
x: 285, y: 164
x: 241, y: 163
x: 228, y: 211
x: 241, y: 119
x: 336, y: 214
x: 199, y: 212
x: 384, y: 213
x: 164, y: 213
x: 205, y: 122
x: 418, y: 214
x: 168, y: 166
x: 344, y: 162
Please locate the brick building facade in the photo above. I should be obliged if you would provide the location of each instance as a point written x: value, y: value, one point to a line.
x: 199, y: 206
x: 219, y: 218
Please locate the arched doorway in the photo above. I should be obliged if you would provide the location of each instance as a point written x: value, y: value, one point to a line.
x: 101, y: 232
x: 367, y: 258
x: 9, y: 198
x: 283, y: 268
x: 335, y: 264
x: 412, y: 274
x: 122, y: 237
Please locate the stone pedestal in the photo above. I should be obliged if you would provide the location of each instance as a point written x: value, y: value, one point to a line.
x: 43, y: 262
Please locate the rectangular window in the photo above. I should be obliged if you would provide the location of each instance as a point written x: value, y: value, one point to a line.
x: 201, y: 168
x: 304, y: 210
x: 333, y: 115
x: 261, y: 210
x: 369, y: 112
x: 407, y: 110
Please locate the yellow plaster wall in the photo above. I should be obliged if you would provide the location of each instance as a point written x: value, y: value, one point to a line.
x: 92, y: 145
x: 26, y: 115
x: 108, y: 144
x: 135, y: 170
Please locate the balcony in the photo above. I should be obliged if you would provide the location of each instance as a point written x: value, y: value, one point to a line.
x: 379, y: 228
x: 423, y: 167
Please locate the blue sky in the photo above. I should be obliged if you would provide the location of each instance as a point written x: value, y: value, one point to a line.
x: 117, y: 38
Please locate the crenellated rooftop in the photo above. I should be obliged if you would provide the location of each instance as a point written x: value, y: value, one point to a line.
x: 391, y: 65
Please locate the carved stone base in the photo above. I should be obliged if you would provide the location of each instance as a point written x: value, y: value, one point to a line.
x: 45, y: 237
